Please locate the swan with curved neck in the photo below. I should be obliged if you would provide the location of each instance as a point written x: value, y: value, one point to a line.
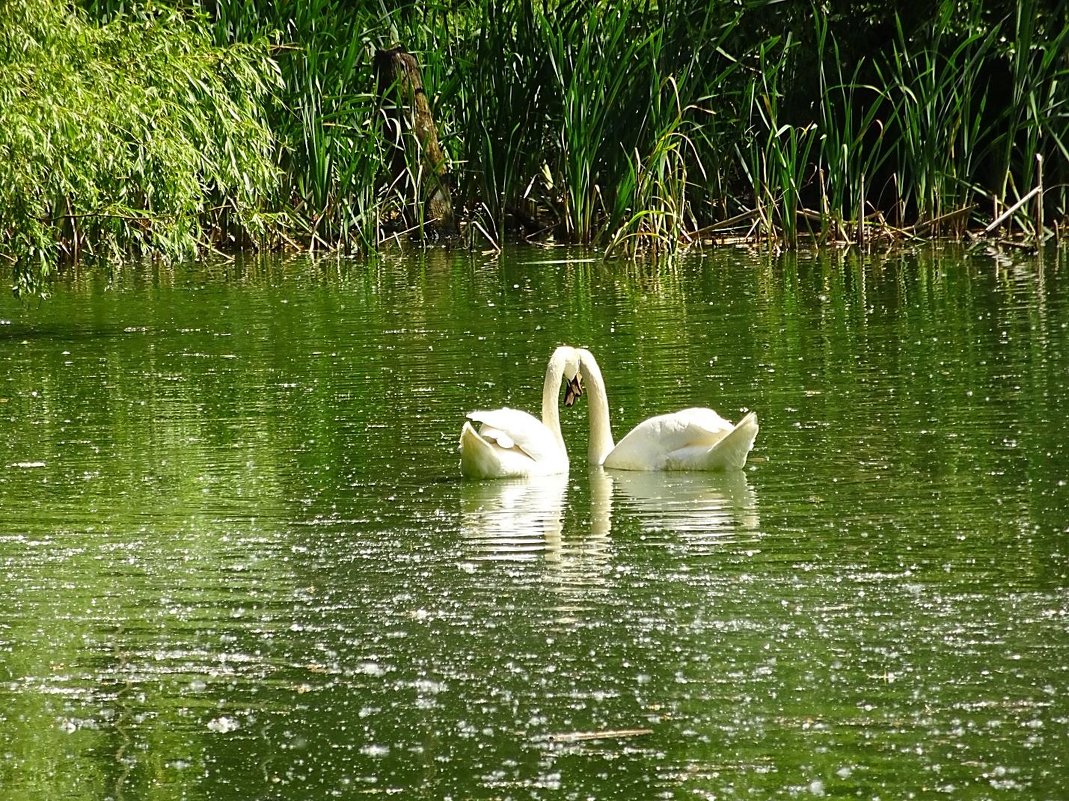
x: 514, y: 444
x: 690, y: 439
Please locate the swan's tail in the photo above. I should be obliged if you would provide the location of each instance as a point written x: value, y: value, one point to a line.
x: 731, y: 452
x: 476, y: 459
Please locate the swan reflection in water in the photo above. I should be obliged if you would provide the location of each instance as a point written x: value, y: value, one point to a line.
x: 514, y: 519
x: 704, y: 508
x: 523, y: 519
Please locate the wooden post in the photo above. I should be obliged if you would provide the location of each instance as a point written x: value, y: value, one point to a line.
x: 398, y: 75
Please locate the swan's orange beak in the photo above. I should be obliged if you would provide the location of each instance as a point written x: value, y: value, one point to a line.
x: 573, y: 390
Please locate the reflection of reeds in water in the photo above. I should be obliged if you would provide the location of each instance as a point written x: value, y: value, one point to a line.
x: 705, y: 508
x: 511, y: 520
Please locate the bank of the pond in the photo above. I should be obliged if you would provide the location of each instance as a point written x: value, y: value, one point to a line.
x: 171, y: 128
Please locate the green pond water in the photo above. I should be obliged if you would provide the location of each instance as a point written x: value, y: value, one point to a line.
x: 237, y: 560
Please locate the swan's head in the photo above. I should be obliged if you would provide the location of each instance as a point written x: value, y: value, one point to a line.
x: 573, y: 389
x: 569, y: 360
x: 588, y: 368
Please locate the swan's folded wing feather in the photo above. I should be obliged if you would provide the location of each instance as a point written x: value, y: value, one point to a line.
x: 483, y: 457
x: 502, y: 438
x: 656, y: 437
x: 516, y: 429
x: 729, y: 452
x: 504, y: 419
x: 698, y: 426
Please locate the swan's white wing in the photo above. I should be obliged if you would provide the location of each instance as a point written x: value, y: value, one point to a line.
x: 728, y: 453
x: 512, y: 428
x: 682, y: 440
x: 483, y: 457
x: 509, y: 443
x: 697, y: 425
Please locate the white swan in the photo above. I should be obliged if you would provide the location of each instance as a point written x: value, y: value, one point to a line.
x: 515, y: 444
x: 690, y: 439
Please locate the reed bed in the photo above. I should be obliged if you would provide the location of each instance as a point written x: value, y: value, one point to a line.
x: 633, y: 126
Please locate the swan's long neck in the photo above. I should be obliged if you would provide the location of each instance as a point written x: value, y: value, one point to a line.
x: 601, y: 442
x: 550, y: 409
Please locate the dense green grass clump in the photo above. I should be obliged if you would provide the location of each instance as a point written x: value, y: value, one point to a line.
x: 631, y: 124
x: 646, y: 125
x: 139, y: 136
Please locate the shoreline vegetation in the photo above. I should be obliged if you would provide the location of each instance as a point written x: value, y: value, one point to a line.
x: 172, y: 128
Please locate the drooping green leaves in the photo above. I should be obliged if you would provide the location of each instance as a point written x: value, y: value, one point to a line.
x: 135, y: 137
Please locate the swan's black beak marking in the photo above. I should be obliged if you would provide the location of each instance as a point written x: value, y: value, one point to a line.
x: 573, y: 390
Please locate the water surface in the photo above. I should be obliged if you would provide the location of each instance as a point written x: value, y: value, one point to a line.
x: 238, y: 561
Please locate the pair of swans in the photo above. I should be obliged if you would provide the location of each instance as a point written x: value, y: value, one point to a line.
x: 515, y: 444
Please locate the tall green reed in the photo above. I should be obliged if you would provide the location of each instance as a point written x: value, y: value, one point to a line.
x: 777, y: 158
x: 851, y: 151
x: 500, y: 97
x: 594, y: 56
x: 1035, y: 121
x: 936, y: 116
x: 635, y: 122
x: 651, y: 211
x: 676, y: 169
